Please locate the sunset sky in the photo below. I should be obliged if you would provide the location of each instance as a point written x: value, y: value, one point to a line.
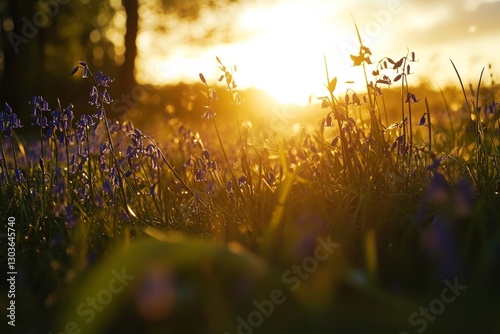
x: 279, y: 45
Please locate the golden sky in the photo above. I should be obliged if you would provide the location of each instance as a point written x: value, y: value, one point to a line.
x: 279, y: 45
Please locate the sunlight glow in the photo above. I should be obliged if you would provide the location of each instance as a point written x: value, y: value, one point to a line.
x: 282, y: 53
x: 279, y: 46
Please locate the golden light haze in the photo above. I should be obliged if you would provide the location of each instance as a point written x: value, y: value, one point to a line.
x: 279, y: 45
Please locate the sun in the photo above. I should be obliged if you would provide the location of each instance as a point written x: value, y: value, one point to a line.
x: 285, y: 56
x: 281, y: 51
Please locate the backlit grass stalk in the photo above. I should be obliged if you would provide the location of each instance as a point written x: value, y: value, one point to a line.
x: 171, y: 168
x: 211, y: 112
x: 374, y: 121
x: 448, y: 112
x: 346, y: 165
x: 481, y: 169
x: 230, y: 84
x: 410, y: 120
x: 429, y: 128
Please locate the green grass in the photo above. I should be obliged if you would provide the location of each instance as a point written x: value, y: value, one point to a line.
x: 210, y: 217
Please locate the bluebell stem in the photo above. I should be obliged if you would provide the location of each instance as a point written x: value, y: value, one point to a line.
x: 229, y: 186
x: 206, y: 154
x: 210, y: 187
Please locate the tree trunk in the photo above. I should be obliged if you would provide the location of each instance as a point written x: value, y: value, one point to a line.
x: 127, y: 78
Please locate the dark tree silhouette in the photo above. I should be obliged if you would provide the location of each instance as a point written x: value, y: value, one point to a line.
x: 188, y: 11
x: 132, y: 25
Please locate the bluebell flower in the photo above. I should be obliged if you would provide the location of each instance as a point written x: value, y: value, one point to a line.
x: 271, y: 178
x: 200, y: 175
x: 105, y: 148
x: 422, y: 120
x: 206, y: 154
x: 208, y: 113
x: 103, y: 80
x: 212, y: 165
x: 152, y: 191
x: 241, y: 180
x: 9, y: 121
x: 131, y: 153
x: 18, y: 175
x: 70, y: 216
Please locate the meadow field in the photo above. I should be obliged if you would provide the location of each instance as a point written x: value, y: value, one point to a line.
x: 370, y: 211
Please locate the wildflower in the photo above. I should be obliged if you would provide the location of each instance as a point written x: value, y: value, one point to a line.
x: 206, y: 154
x: 68, y: 112
x: 152, y: 191
x: 102, y: 163
x: 270, y: 177
x: 241, y: 180
x: 70, y: 217
x: 335, y: 141
x: 435, y: 164
x: 212, y: 165
x: 131, y: 153
x: 397, y: 142
x: 384, y: 80
x: 422, y: 120
x: 9, y: 121
x: 107, y: 189
x: 107, y: 98
x: 328, y: 121
x: 355, y: 100
x: 199, y: 175
x: 105, y: 148
x: 202, y: 78
x: 103, y: 80
x: 208, y: 114
x: 18, y: 175
x: 363, y: 56
x: 491, y: 107
x: 410, y: 98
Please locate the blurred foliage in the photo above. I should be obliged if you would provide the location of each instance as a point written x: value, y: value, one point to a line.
x: 41, y: 40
